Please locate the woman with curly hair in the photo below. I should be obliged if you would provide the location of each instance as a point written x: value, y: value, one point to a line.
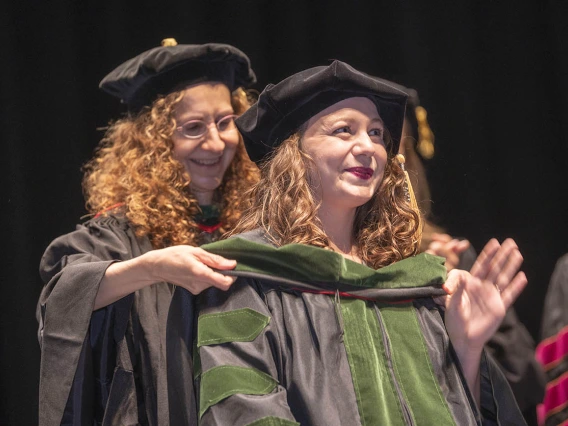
x: 166, y: 178
x: 334, y: 318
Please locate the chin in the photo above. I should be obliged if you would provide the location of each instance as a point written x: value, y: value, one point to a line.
x: 354, y: 201
x: 203, y: 185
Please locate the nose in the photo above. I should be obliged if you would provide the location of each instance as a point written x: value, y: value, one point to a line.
x: 364, y: 145
x: 213, y: 141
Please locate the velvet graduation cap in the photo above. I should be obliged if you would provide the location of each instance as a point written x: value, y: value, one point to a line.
x: 162, y: 70
x: 283, y: 108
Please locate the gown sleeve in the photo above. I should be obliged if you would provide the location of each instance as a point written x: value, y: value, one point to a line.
x: 498, y: 405
x: 513, y: 349
x: 239, y: 364
x: 78, y: 350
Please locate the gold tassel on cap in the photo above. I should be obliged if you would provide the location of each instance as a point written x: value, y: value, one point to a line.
x: 425, y: 144
x: 167, y: 42
x: 411, y: 198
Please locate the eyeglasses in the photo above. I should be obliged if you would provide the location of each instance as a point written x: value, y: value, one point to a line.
x: 195, y: 129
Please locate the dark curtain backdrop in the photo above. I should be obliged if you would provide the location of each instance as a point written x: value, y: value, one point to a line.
x: 492, y: 74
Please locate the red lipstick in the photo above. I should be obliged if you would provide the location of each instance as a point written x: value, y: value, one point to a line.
x: 361, y: 172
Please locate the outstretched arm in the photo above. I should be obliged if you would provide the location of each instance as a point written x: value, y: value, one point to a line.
x: 185, y: 266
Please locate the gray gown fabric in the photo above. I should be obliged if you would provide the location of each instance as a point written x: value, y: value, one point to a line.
x: 291, y: 344
x: 104, y: 367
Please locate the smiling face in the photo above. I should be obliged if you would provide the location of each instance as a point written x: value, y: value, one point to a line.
x: 206, y: 158
x: 346, y: 143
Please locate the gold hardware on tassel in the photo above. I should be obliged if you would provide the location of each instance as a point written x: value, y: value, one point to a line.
x: 411, y: 198
x: 425, y: 144
x: 167, y: 42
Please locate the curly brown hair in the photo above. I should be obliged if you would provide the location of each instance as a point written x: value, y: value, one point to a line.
x: 386, y: 229
x: 134, y: 168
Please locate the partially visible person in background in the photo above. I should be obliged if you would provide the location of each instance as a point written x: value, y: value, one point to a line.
x: 166, y: 178
x: 512, y: 346
x: 552, y: 351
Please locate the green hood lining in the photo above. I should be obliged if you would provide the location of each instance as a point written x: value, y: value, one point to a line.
x: 303, y: 263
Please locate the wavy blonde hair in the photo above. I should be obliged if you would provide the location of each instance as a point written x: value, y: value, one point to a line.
x: 386, y: 228
x: 134, y: 170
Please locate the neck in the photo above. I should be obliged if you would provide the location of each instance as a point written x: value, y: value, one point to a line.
x: 204, y: 198
x: 338, y: 226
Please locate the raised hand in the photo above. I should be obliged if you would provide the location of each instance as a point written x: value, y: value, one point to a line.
x: 476, y: 302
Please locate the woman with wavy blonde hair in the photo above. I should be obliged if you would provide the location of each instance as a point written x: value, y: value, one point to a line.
x: 386, y: 228
x: 166, y: 178
x: 334, y: 319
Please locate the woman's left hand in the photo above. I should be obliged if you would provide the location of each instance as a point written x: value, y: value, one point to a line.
x: 476, y: 302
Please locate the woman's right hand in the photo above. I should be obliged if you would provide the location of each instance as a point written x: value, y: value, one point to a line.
x: 185, y: 266
x: 189, y: 267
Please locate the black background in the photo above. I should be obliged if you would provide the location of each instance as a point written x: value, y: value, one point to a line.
x: 492, y: 74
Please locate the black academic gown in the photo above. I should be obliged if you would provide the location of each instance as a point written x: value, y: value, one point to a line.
x: 307, y: 337
x: 108, y: 366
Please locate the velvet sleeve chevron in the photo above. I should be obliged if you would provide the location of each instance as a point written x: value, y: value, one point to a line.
x: 238, y: 370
